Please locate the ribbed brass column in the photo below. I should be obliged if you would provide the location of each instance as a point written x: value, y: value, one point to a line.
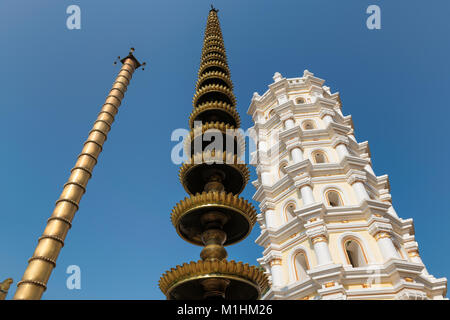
x: 214, y: 216
x: 4, y: 287
x: 41, y: 264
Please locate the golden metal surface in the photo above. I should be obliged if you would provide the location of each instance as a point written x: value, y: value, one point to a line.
x: 4, y: 287
x: 230, y: 270
x: 215, y: 216
x: 213, y: 239
x: 187, y: 214
x: 214, y: 75
x: 217, y: 125
x: 229, y: 134
x: 218, y: 106
x: 216, y: 91
x: 214, y: 49
x: 237, y: 174
x: 213, y: 199
x: 41, y: 264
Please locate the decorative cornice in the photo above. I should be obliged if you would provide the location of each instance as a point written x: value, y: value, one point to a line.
x: 325, y: 111
x: 335, y: 141
x: 317, y: 232
x: 294, y: 143
x: 356, y: 176
x: 267, y: 205
x: 302, y: 180
x: 379, y: 229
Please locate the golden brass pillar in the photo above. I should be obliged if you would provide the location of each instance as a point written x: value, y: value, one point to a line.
x: 214, y: 216
x: 4, y: 287
x: 41, y: 264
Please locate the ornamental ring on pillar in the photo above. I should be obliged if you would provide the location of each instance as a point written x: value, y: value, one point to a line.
x: 381, y: 235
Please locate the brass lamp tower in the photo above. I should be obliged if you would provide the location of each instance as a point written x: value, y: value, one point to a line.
x: 214, y: 216
x: 41, y: 264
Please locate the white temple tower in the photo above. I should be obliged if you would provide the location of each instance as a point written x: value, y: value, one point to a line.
x: 328, y: 227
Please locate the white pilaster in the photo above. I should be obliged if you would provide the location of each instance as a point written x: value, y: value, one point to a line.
x: 266, y: 176
x: 297, y: 154
x: 304, y: 184
x: 386, y: 246
x: 271, y: 219
x: 340, y: 145
x: 381, y: 231
x: 307, y: 195
x: 415, y: 257
x: 322, y: 250
x: 289, y: 123
x: 342, y: 150
x: 276, y: 270
x: 327, y: 116
x: 317, y: 233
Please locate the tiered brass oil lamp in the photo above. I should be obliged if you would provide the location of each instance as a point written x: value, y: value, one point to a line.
x: 214, y: 215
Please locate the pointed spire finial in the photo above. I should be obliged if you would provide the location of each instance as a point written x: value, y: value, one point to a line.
x: 214, y: 9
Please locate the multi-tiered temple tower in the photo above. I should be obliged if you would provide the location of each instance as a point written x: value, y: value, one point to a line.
x: 329, y: 230
x: 213, y: 216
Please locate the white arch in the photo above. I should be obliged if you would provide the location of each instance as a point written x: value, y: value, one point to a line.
x: 309, y: 154
x: 283, y: 163
x: 286, y: 203
x: 291, y: 260
x: 300, y: 97
x: 362, y: 242
x: 334, y: 187
x: 309, y: 120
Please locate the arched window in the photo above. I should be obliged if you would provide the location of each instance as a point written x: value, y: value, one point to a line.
x: 319, y: 157
x: 301, y: 265
x: 289, y: 211
x: 271, y: 113
x: 334, y: 198
x: 308, y: 125
x: 300, y: 101
x: 282, y: 170
x: 355, y: 253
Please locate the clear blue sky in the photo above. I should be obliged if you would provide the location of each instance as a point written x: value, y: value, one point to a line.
x: 393, y: 81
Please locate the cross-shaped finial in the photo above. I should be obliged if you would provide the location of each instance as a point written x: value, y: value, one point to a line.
x: 130, y: 55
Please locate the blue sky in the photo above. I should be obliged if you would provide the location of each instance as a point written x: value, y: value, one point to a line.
x: 393, y: 81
